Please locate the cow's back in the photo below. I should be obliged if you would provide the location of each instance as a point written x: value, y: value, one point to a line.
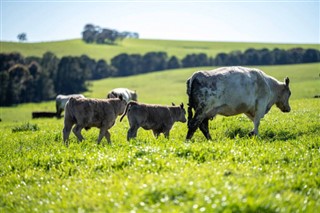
x: 90, y: 112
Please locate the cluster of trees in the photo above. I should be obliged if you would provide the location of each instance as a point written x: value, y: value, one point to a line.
x: 132, y: 64
x: 34, y: 79
x: 96, y: 34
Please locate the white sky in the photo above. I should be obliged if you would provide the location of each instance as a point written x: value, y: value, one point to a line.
x: 247, y: 21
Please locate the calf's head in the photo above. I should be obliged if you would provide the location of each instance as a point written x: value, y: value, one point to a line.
x: 182, y: 114
x: 283, y: 97
x: 122, y: 105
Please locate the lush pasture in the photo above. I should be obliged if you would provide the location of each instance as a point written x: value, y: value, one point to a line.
x: 279, y: 171
x: 180, y: 49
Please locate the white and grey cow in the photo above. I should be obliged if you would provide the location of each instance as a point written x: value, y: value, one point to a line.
x: 61, y: 101
x: 127, y: 94
x: 230, y: 91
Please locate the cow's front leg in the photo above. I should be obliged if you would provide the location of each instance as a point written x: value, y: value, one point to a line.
x: 204, y: 127
x: 77, y: 131
x: 256, y: 123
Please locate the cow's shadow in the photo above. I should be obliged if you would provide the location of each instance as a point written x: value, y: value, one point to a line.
x: 264, y: 134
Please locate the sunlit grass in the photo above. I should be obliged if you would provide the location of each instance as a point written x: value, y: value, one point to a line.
x: 278, y: 171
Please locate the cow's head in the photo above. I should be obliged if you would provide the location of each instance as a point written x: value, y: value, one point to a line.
x: 283, y: 96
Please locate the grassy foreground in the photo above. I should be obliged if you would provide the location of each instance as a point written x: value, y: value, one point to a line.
x: 279, y: 171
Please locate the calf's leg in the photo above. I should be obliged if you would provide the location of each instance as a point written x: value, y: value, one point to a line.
x: 101, y: 134
x: 166, y: 133
x: 77, y: 131
x: 156, y: 133
x: 132, y: 132
x: 107, y: 136
x: 66, y: 132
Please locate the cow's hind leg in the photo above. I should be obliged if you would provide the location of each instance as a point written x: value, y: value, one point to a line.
x: 194, y: 123
x: 204, y: 127
x: 77, y: 131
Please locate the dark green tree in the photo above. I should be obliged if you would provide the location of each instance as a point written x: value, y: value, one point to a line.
x: 173, y: 63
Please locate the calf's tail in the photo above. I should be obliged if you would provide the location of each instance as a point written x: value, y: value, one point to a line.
x: 69, y: 109
x: 127, y: 108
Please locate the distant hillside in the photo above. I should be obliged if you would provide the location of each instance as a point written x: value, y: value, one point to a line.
x: 180, y: 49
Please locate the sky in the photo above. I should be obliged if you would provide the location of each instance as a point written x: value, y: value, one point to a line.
x: 232, y: 21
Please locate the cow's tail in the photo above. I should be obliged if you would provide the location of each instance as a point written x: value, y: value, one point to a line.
x: 127, y: 109
x: 189, y: 93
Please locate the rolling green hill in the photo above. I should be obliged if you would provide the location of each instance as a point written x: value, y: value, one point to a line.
x: 77, y: 47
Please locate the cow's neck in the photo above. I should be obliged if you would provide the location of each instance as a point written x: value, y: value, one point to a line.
x: 174, y: 112
x: 276, y: 88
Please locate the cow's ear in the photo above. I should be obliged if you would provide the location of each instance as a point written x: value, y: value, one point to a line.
x: 287, y: 81
x: 173, y: 104
x: 181, y: 105
x: 120, y: 97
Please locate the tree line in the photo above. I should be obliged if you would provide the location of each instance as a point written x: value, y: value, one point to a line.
x: 95, y: 34
x: 35, y: 79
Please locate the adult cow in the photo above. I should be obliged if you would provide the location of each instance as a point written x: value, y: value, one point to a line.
x: 61, y: 101
x: 127, y: 94
x: 157, y: 118
x: 230, y: 91
x: 87, y: 113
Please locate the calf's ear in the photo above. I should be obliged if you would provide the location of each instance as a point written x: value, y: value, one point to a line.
x: 173, y: 104
x: 120, y: 97
x: 181, y: 105
x: 287, y: 81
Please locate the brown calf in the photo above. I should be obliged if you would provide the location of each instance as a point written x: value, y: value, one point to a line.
x: 157, y: 118
x: 87, y: 113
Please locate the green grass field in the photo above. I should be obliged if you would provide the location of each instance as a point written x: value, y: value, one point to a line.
x: 278, y: 171
x: 141, y: 46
